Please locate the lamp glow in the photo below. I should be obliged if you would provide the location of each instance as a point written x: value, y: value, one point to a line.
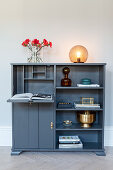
x: 78, y: 54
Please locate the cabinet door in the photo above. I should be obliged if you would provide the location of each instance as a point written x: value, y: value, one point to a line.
x: 25, y: 125
x: 45, y: 131
x: 20, y: 125
x: 33, y: 126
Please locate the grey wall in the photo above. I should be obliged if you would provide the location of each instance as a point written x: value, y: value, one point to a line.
x: 66, y: 23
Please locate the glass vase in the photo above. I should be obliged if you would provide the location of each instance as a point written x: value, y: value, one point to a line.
x: 35, y: 57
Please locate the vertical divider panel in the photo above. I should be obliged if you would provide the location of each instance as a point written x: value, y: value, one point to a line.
x: 32, y: 71
x: 54, y: 117
x: 14, y: 80
x: 12, y: 93
x: 23, y: 79
x: 20, y: 79
x: 45, y: 71
x: 104, y: 67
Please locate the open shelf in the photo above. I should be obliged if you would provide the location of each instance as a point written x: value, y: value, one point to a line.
x: 38, y: 72
x: 79, y: 72
x: 87, y: 146
x: 73, y: 109
x: 74, y: 96
x: 76, y: 126
x: 40, y: 79
x: 79, y: 88
x: 91, y: 139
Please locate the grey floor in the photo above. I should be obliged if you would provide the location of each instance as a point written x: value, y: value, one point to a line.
x: 55, y: 160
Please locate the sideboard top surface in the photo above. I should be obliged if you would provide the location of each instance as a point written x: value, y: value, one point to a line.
x: 74, y: 64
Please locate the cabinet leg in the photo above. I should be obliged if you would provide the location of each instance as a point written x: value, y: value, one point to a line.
x: 101, y: 153
x: 14, y: 153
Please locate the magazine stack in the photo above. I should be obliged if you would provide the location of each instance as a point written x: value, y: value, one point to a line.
x: 70, y: 142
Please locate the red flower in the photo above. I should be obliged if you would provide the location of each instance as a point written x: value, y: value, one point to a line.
x: 35, y: 42
x: 26, y: 42
x: 23, y: 44
x: 45, y: 42
x: 50, y: 43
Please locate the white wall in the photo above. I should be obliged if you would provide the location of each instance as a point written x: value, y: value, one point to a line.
x: 66, y: 23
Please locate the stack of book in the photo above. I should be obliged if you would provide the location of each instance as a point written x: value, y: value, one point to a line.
x: 84, y: 106
x: 70, y: 142
x: 88, y: 85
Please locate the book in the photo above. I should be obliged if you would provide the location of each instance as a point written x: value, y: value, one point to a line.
x: 22, y: 96
x: 42, y: 96
x: 96, y: 106
x: 89, y: 85
x: 30, y: 97
x: 64, y: 105
x: 69, y: 139
x: 77, y: 146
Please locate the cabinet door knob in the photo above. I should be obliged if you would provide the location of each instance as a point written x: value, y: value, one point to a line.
x: 51, y: 125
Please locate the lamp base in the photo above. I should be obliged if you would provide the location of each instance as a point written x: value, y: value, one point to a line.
x: 78, y: 62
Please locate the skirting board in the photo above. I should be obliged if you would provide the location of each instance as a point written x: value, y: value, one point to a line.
x: 6, y: 136
x: 108, y: 136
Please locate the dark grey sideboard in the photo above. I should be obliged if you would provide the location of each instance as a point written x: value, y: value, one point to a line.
x: 37, y: 125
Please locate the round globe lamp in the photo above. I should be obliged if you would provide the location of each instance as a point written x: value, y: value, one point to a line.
x: 78, y: 54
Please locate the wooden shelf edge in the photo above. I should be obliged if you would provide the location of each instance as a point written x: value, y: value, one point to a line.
x: 35, y: 79
x: 80, y: 88
x: 76, y: 126
x: 72, y: 109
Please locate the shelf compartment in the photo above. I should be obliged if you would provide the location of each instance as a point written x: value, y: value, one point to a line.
x: 73, y: 116
x: 39, y: 76
x: 76, y: 126
x: 44, y: 87
x: 39, y: 72
x: 71, y: 96
x: 39, y: 68
x: 43, y: 72
x: 78, y: 72
x: 90, y: 139
x: 28, y: 71
x: 18, y: 80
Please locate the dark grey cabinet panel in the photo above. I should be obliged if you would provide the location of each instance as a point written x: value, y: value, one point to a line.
x: 20, y: 128
x: 45, y: 130
x: 33, y: 126
x: 25, y: 126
